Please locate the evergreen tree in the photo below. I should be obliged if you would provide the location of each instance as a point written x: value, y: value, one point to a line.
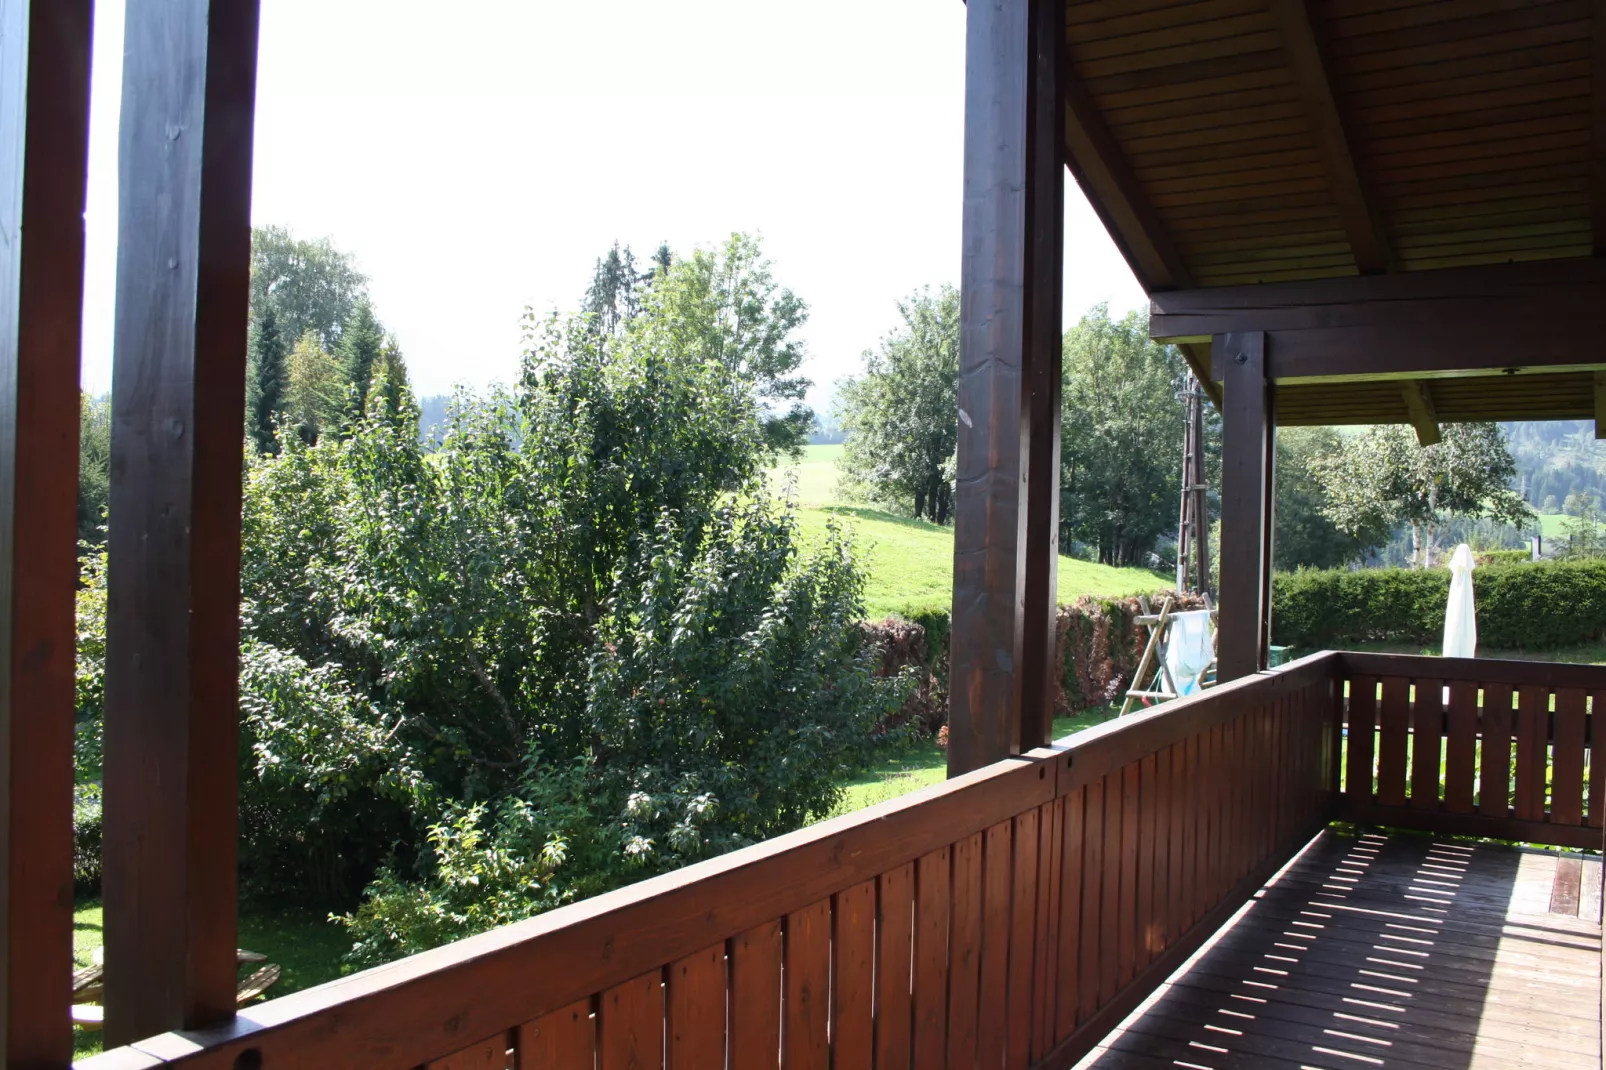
x: 611, y: 300
x: 360, y: 344
x: 390, y: 396
x: 269, y: 381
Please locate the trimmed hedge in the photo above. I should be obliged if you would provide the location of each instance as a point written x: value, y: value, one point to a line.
x: 1543, y: 605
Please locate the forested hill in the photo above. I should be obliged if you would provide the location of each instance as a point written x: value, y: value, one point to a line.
x: 1557, y: 458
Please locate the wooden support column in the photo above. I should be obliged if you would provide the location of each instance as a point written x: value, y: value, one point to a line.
x: 1007, y: 499
x: 1246, y: 504
x: 44, y: 145
x: 178, y: 400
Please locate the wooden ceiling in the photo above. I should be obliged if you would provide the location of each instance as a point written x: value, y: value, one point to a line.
x: 1262, y: 142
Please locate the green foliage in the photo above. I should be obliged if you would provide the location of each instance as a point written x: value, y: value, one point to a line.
x: 573, y: 643
x: 89, y: 678
x: 358, y: 354
x: 1121, y: 438
x: 1383, y: 478
x: 1582, y: 527
x: 316, y: 395
x: 900, y: 414
x: 1545, y: 605
x: 617, y: 287
x: 267, y: 382
x: 725, y: 305
x: 310, y: 285
x: 94, y: 467
x: 86, y: 839
x: 1306, y: 536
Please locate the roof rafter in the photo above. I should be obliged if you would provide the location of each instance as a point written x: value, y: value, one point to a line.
x: 1106, y: 179
x: 1597, y: 130
x: 1368, y: 238
x: 1424, y: 416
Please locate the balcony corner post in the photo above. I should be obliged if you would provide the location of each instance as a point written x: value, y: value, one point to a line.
x: 1247, y: 476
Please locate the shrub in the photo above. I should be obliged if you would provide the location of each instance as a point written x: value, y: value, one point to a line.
x: 86, y: 839
x: 1544, y: 605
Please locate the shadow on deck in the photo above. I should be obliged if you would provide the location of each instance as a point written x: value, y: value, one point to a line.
x: 1377, y: 950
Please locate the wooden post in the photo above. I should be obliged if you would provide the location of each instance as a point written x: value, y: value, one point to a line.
x: 178, y: 401
x: 44, y: 146
x: 1007, y: 498
x: 1246, y: 504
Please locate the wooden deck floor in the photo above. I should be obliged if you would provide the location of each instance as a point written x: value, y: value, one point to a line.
x: 1389, y: 951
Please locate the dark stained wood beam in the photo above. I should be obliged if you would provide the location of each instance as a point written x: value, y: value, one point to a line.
x: 1043, y: 349
x: 1010, y: 328
x: 1297, y: 26
x: 1424, y: 416
x: 1597, y: 129
x: 1246, y: 504
x: 44, y: 145
x: 1539, y: 315
x: 178, y: 398
x: 1600, y: 404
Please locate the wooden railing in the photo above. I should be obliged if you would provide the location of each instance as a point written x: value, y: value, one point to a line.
x: 1009, y: 917
x: 1474, y: 747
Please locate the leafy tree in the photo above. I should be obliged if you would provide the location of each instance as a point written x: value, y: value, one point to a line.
x: 552, y: 654
x: 94, y: 467
x: 1383, y: 478
x: 268, y: 382
x: 727, y: 306
x: 358, y: 353
x: 311, y: 285
x: 1121, y: 437
x: 315, y: 396
x: 1306, y: 536
x: 901, y: 415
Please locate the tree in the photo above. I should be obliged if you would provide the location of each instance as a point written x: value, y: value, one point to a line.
x: 1306, y: 536
x: 94, y: 467
x: 390, y: 396
x: 1121, y: 437
x: 1383, y: 478
x: 315, y: 396
x: 311, y: 285
x: 358, y: 353
x: 1583, y: 525
x: 901, y: 415
x: 268, y: 382
x: 612, y: 300
x: 726, y: 305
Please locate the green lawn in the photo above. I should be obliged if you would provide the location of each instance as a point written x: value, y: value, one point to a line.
x: 305, y: 945
x: 925, y: 764
x: 1553, y: 526
x: 909, y: 563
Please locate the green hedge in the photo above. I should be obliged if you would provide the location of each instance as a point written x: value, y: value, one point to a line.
x: 1545, y: 605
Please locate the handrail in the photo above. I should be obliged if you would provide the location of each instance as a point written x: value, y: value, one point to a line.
x: 1475, y: 747
x: 965, y: 904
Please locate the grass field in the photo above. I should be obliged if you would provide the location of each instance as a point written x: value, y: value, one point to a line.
x: 925, y: 764
x: 909, y: 563
x: 305, y: 945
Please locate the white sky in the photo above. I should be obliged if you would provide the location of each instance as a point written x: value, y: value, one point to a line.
x: 480, y: 161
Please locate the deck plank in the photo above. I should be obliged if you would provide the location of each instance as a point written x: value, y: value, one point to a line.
x: 1389, y: 949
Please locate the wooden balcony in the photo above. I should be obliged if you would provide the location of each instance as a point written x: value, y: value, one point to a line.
x: 1016, y: 915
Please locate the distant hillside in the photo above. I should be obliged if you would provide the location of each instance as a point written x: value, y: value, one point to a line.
x: 909, y: 563
x: 1557, y: 458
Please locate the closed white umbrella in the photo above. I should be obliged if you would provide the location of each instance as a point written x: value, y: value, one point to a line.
x: 1460, y: 616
